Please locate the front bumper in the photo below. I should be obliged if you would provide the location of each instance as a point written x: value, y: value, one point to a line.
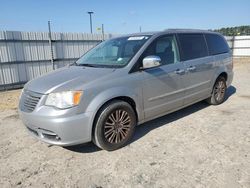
x: 58, y: 128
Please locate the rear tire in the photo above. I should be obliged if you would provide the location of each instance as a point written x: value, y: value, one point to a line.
x: 115, y: 125
x: 219, y: 92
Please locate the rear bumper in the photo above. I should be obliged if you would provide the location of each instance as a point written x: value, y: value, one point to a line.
x: 59, y: 130
x: 230, y: 78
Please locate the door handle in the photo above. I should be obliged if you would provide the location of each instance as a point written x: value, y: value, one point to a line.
x: 179, y: 71
x: 191, y: 68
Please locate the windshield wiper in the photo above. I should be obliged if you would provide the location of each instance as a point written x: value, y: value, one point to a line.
x: 87, y: 65
x: 98, y: 65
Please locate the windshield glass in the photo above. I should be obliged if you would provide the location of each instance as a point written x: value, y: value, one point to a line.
x: 113, y: 53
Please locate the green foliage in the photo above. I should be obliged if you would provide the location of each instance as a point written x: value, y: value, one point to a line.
x: 233, y: 31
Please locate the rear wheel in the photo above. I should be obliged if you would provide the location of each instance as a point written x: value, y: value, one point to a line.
x: 219, y: 92
x: 115, y: 125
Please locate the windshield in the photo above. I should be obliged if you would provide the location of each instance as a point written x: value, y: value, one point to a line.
x: 113, y: 53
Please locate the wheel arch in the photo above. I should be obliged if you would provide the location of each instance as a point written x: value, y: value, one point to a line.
x: 126, y: 99
x: 217, y: 74
x: 223, y: 74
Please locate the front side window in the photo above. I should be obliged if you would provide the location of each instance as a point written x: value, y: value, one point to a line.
x: 216, y: 44
x: 164, y: 47
x: 113, y: 53
x: 192, y: 46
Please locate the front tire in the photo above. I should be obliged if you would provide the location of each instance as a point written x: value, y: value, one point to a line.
x: 114, y: 126
x: 219, y: 92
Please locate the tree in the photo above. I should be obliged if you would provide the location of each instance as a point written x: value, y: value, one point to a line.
x: 233, y: 31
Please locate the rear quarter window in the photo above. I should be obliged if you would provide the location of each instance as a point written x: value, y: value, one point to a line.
x: 216, y: 44
x: 192, y: 46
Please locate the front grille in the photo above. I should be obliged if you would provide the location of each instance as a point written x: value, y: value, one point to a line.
x: 30, y: 100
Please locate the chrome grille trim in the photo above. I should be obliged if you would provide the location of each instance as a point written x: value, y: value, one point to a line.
x: 30, y: 100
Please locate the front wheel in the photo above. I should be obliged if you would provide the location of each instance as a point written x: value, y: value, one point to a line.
x: 115, y: 125
x: 219, y: 92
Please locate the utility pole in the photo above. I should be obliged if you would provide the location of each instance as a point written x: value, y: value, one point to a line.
x: 103, y: 32
x: 90, y: 20
x: 140, y: 29
x: 51, y: 48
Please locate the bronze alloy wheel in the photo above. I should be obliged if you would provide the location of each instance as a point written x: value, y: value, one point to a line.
x: 219, y: 90
x: 117, y: 126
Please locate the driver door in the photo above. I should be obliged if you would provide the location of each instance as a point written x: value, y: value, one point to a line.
x: 163, y: 88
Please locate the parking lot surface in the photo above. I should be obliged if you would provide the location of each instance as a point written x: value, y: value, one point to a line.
x: 199, y: 146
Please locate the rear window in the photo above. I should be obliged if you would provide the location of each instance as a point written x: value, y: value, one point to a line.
x: 216, y: 44
x: 192, y: 46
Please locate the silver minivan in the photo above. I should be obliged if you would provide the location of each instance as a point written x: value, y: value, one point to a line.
x: 126, y: 81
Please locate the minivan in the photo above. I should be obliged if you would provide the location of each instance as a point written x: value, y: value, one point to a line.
x: 126, y: 81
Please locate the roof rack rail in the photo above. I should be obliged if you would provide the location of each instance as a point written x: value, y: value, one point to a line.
x: 185, y: 29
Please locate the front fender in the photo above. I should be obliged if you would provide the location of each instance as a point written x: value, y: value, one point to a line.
x: 99, y: 100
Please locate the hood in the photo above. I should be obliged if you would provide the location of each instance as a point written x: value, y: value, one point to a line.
x: 67, y: 78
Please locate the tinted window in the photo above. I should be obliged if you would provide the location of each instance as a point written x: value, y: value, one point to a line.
x: 216, y: 44
x: 192, y: 46
x: 165, y: 48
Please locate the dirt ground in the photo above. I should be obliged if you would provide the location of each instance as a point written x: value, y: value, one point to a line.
x: 199, y: 146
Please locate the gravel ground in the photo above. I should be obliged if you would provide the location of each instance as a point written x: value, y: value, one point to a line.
x: 199, y: 146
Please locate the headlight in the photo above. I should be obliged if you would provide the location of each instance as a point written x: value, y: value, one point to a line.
x: 64, y: 99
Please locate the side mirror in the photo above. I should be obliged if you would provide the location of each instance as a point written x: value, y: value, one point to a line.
x: 151, y: 61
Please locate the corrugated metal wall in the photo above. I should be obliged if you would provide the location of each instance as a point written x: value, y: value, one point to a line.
x: 26, y: 55
x: 240, y: 45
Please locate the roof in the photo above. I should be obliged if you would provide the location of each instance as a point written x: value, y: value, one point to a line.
x: 188, y: 31
x: 172, y: 31
x: 167, y: 31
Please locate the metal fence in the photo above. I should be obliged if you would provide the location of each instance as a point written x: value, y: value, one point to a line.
x: 26, y: 55
x: 240, y: 45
